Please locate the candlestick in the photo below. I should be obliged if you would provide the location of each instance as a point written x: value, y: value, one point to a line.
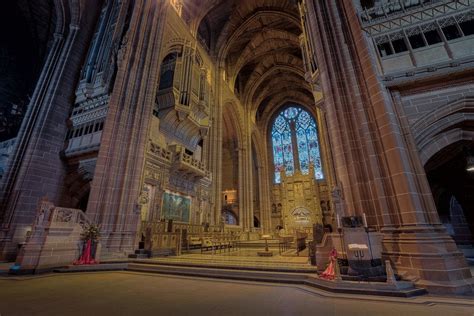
x: 338, y: 221
x: 364, y: 219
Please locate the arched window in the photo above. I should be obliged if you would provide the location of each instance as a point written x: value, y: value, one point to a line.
x: 167, y: 71
x: 295, y: 143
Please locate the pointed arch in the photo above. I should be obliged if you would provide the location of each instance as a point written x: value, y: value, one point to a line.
x: 295, y: 142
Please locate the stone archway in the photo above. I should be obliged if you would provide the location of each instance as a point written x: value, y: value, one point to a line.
x: 452, y: 188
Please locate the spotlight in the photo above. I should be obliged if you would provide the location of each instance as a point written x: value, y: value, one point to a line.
x: 470, y: 164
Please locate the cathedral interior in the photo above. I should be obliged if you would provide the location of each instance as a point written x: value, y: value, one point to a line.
x: 327, y: 144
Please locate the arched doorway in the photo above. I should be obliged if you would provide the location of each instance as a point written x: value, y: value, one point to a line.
x: 452, y: 186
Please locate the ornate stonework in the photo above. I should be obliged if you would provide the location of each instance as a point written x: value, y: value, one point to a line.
x: 138, y: 100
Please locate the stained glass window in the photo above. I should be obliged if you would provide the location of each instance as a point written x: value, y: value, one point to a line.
x: 294, y: 134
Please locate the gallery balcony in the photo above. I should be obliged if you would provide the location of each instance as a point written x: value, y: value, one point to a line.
x: 185, y: 163
x: 159, y: 153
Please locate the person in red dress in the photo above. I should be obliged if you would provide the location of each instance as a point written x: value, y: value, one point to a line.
x: 330, y: 272
x: 86, y: 257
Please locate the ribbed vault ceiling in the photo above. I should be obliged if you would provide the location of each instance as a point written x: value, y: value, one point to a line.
x: 257, y: 43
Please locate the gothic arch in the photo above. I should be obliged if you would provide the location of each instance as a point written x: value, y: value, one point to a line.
x: 292, y: 117
x: 455, y: 115
x: 232, y: 118
x: 231, y: 159
x: 443, y: 140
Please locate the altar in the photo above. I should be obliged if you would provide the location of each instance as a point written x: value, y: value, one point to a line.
x: 299, y: 196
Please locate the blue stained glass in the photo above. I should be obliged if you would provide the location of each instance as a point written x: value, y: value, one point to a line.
x: 305, y: 132
x: 290, y: 113
x: 303, y: 150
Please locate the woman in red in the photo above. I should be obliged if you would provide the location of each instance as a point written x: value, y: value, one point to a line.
x: 330, y: 272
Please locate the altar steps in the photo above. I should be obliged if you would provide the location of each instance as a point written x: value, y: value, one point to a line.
x: 284, y: 275
x: 219, y: 263
x: 404, y: 289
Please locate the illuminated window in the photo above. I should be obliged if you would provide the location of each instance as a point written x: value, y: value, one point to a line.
x: 295, y: 137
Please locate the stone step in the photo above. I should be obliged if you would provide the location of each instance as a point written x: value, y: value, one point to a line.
x: 233, y: 265
x: 402, y: 289
x: 258, y: 244
x: 93, y: 267
x: 141, y: 251
x: 139, y: 256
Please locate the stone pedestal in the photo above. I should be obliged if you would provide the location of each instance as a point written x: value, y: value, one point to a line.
x: 118, y: 244
x: 429, y: 257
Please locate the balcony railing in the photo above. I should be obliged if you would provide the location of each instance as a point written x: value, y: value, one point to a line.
x: 160, y: 152
x: 394, y: 15
x: 185, y: 162
x: 389, y: 7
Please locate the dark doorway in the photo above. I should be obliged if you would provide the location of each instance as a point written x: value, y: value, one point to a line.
x: 452, y: 187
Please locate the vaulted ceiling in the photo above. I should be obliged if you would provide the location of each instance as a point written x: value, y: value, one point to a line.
x: 257, y: 43
x: 26, y: 30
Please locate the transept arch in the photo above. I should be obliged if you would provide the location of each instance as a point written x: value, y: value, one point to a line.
x: 231, y: 168
x: 444, y: 141
x: 452, y: 186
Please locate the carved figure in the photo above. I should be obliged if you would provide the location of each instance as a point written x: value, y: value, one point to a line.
x: 337, y: 200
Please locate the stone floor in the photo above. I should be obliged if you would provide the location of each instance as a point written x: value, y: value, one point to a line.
x: 128, y: 293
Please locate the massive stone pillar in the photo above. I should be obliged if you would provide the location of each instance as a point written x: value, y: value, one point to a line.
x: 215, y: 155
x: 247, y: 181
x: 36, y: 170
x: 374, y: 156
x: 113, y: 202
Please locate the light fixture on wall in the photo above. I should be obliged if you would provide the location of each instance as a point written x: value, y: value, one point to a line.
x: 468, y: 152
x: 470, y: 164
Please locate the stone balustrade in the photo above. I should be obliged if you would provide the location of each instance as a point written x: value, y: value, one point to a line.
x: 387, y: 8
x: 55, y: 239
x: 160, y: 152
x: 186, y: 163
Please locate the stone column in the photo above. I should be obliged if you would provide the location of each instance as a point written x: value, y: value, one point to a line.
x: 215, y: 150
x: 35, y: 169
x: 116, y: 187
x: 247, y: 167
x: 265, y: 207
x: 375, y: 162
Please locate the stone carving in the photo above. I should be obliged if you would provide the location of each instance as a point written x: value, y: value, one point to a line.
x: 144, y: 197
x: 301, y: 214
x: 137, y: 209
x: 382, y: 7
x: 323, y: 207
x: 123, y: 48
x: 337, y: 200
x: 63, y: 216
x: 40, y: 218
x: 274, y: 208
x: 44, y: 212
x: 160, y: 152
